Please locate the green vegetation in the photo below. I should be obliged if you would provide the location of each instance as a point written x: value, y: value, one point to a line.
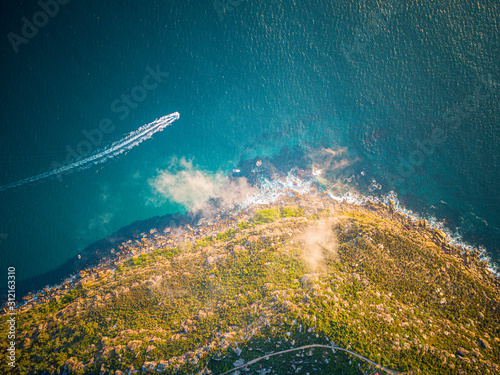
x: 245, y: 225
x: 266, y: 216
x: 272, y: 214
x: 396, y: 296
x: 291, y: 211
x: 227, y: 235
x: 54, y: 305
x: 141, y: 260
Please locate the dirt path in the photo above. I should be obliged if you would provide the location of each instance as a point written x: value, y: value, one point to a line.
x: 253, y: 361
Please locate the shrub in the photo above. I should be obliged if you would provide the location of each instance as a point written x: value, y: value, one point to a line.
x: 227, y: 235
x: 244, y: 225
x: 204, y: 242
x: 138, y: 260
x: 266, y: 216
x: 291, y: 211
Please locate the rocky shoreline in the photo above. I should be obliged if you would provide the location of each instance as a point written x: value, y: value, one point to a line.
x: 171, y: 230
x: 106, y: 253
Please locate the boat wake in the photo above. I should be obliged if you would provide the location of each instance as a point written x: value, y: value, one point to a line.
x: 100, y: 156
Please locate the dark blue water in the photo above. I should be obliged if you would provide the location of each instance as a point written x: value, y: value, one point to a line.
x: 409, y: 90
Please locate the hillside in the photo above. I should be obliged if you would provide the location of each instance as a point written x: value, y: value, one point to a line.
x: 302, y: 272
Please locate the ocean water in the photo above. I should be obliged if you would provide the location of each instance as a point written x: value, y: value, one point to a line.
x: 396, y: 96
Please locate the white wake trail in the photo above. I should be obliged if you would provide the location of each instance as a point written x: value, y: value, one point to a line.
x: 100, y: 156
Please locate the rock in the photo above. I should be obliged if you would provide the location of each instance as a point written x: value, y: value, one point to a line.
x: 107, y: 350
x: 476, y: 353
x: 134, y: 345
x: 118, y: 349
x: 422, y: 223
x: 74, y: 366
x: 149, y: 366
x: 267, y: 286
x: 162, y: 365
x: 238, y: 248
x: 91, y: 361
x: 239, y: 362
x: 386, y: 317
x: 150, y: 348
x: 201, y: 315
x: 308, y: 280
x: 392, y: 206
x: 484, y: 344
x: 129, y: 331
x: 440, y: 235
x: 252, y: 238
x: 210, y: 260
x: 462, y: 352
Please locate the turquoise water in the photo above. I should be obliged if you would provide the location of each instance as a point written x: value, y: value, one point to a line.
x: 408, y: 90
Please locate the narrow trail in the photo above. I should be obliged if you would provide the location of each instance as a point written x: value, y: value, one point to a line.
x: 333, y: 347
